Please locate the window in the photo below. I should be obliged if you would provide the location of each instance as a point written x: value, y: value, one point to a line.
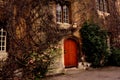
x: 102, y: 5
x: 59, y: 13
x: 62, y: 13
x: 66, y: 14
x: 2, y: 40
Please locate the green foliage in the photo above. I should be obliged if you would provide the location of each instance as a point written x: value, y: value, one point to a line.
x: 114, y: 58
x: 39, y: 64
x: 94, y: 44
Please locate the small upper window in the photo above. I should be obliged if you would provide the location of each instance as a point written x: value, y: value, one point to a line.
x: 102, y: 5
x: 62, y: 13
x: 2, y: 40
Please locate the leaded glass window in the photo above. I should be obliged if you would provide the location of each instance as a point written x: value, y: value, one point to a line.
x: 62, y: 13
x: 102, y: 5
x: 2, y: 40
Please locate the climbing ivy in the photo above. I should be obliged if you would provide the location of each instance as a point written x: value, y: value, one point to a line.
x: 94, y: 44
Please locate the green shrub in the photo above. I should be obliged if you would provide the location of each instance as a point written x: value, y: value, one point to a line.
x: 94, y: 44
x: 36, y: 65
x: 40, y: 63
x: 114, y: 58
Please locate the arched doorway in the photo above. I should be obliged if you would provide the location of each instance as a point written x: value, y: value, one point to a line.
x: 70, y: 53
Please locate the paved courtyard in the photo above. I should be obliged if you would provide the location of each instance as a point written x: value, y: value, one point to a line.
x: 107, y: 73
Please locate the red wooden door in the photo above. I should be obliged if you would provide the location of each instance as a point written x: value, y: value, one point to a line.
x: 70, y: 53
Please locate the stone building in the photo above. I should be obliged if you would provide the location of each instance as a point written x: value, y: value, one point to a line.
x: 72, y: 14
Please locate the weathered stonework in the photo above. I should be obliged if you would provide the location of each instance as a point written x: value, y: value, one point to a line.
x: 80, y: 11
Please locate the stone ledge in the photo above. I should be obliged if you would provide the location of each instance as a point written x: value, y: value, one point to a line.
x: 3, y: 56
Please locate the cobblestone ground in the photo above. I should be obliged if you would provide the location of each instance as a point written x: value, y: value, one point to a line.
x: 107, y: 73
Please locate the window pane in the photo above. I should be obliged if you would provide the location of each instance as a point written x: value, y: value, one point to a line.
x: 101, y: 5
x: 59, y: 9
x: 0, y: 43
x: 3, y: 48
x: 66, y: 14
x: 59, y: 13
x: 105, y: 5
x: 4, y: 33
x: 0, y: 33
x: 97, y: 4
x: 3, y: 43
x: 3, y: 39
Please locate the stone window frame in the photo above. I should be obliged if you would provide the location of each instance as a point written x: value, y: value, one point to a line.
x: 62, y: 13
